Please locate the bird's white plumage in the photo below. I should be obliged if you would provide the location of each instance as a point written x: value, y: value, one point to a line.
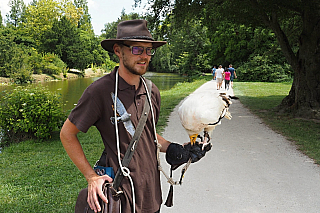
x: 201, y: 109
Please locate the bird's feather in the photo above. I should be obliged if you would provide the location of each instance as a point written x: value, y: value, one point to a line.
x: 199, y: 110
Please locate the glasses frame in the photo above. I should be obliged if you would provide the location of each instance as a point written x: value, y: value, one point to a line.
x: 144, y: 48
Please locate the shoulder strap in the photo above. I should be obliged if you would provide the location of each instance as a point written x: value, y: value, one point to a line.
x: 135, y: 139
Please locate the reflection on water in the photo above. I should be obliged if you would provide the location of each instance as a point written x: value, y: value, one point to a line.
x: 72, y: 89
x: 164, y: 81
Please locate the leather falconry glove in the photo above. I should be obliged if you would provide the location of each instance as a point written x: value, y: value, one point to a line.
x: 177, y: 154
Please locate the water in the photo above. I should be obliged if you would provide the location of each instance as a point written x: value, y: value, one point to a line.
x: 71, y: 90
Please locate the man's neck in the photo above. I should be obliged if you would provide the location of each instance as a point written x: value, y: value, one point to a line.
x: 129, y: 77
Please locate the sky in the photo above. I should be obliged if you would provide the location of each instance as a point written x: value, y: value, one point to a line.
x: 101, y: 11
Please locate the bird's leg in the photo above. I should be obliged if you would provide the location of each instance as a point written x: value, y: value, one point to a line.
x: 206, y: 139
x: 206, y: 136
x: 193, y: 139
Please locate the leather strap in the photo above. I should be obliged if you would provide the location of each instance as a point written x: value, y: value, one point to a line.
x: 135, y: 139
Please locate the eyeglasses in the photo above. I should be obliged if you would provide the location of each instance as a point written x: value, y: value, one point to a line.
x: 136, y: 50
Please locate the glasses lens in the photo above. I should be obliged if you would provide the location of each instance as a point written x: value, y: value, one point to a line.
x: 137, y: 50
x: 150, y: 51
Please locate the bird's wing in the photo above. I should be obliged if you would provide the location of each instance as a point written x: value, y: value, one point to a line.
x: 200, y: 109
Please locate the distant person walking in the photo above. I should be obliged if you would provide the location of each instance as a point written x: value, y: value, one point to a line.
x: 233, y: 74
x: 213, y: 71
x: 219, y: 76
x: 227, y: 75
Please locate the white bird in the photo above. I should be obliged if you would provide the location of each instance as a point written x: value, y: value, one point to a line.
x: 203, y: 112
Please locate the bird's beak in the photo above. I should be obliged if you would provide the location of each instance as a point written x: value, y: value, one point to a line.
x: 193, y: 138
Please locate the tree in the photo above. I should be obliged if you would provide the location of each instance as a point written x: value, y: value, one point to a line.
x: 296, y: 25
x: 14, y: 57
x: 85, y: 21
x: 187, y: 47
x: 1, y: 24
x: 65, y: 40
x: 16, y: 14
x: 41, y: 14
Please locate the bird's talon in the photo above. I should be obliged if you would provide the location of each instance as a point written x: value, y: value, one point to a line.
x: 204, y: 145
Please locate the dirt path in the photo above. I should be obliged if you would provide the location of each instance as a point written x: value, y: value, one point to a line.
x: 249, y: 169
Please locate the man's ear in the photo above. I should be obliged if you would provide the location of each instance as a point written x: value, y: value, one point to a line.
x: 116, y: 49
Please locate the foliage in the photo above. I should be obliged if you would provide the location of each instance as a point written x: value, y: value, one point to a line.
x: 19, y: 69
x: 65, y: 40
x: 162, y: 61
x: 187, y: 48
x: 84, y: 22
x: 204, y: 45
x: 16, y: 14
x: 52, y: 64
x: 19, y: 61
x: 30, y: 112
x: 41, y: 15
x: 14, y: 59
x: 261, y: 68
x: 47, y: 63
x: 1, y: 24
x: 295, y: 25
x: 108, y: 65
x: 41, y: 54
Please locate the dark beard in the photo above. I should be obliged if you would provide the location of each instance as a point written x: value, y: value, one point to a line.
x: 131, y: 68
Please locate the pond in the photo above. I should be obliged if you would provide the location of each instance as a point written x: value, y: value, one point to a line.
x: 71, y: 90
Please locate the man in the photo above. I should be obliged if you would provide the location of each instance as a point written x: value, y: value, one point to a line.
x: 213, y: 71
x: 233, y: 74
x: 219, y: 76
x: 134, y: 46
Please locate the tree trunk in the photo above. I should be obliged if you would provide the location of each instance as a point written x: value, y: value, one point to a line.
x: 304, y: 97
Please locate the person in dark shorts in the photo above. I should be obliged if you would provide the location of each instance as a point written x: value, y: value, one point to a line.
x: 233, y: 74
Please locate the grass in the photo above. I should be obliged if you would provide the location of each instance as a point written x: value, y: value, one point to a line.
x: 40, y: 177
x: 262, y: 98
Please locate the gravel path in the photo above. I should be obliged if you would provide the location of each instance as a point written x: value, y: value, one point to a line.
x: 249, y: 169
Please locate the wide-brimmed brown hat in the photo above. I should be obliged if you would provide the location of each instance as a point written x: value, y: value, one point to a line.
x: 133, y: 30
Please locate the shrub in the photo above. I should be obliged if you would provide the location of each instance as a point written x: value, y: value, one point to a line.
x: 47, y: 63
x: 262, y: 69
x: 30, y: 112
x: 53, y: 64
x: 109, y: 64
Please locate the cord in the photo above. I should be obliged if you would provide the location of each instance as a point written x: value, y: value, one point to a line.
x: 125, y: 170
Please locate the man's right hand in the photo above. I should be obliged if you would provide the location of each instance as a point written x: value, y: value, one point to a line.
x: 95, y: 184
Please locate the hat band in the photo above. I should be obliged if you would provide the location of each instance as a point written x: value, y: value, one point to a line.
x: 138, y: 37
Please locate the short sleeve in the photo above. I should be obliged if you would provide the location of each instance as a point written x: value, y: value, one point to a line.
x: 86, y: 113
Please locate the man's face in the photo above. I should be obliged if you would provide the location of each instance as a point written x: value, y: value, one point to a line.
x: 136, y: 64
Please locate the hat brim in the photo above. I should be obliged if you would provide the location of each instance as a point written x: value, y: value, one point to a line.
x: 107, y: 44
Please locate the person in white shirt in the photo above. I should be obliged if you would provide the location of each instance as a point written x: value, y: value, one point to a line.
x: 219, y: 76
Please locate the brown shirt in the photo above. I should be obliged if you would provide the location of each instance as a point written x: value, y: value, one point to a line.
x: 95, y: 107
